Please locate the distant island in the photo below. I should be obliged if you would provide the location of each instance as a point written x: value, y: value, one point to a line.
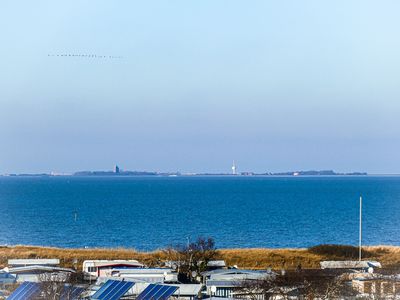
x: 111, y: 173
x: 118, y: 172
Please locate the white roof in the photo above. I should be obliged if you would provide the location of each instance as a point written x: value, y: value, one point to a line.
x: 187, y: 289
x: 222, y: 277
x: 211, y: 263
x: 110, y: 260
x: 349, y: 264
x: 216, y: 263
x: 39, y: 268
x: 144, y: 271
x: 103, y: 279
x: 100, y: 263
x: 51, y: 261
x: 234, y: 271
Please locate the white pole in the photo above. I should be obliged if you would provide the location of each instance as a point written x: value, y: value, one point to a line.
x: 360, y: 237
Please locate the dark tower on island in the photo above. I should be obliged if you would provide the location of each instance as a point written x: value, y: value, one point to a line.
x: 116, y: 169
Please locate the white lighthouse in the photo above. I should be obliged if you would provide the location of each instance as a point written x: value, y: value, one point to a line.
x: 234, y: 168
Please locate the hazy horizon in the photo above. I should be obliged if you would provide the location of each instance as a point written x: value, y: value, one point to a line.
x: 227, y: 171
x: 191, y: 86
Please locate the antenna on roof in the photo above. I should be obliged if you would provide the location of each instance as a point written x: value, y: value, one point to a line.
x: 360, y: 233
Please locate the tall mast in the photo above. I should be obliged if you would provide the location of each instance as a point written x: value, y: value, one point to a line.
x: 360, y: 236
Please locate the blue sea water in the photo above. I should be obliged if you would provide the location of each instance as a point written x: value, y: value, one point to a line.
x: 147, y: 213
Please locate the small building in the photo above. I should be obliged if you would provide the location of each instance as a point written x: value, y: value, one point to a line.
x: 381, y: 286
x: 224, y: 283
x: 96, y: 268
x: 35, y: 273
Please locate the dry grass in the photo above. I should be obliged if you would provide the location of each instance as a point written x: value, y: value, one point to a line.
x: 270, y: 258
x: 389, y: 256
x: 67, y: 256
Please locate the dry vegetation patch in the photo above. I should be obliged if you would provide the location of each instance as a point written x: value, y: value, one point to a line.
x: 256, y: 258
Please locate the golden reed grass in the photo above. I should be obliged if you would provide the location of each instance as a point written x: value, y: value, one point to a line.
x: 254, y: 258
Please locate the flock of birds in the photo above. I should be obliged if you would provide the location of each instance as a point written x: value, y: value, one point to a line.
x: 86, y: 56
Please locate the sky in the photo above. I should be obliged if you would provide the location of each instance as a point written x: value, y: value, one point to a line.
x: 274, y: 85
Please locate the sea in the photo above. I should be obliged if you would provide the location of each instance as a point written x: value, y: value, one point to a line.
x: 148, y: 213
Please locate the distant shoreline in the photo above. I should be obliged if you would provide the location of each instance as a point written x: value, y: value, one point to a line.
x: 119, y: 173
x: 194, y: 176
x: 197, y: 175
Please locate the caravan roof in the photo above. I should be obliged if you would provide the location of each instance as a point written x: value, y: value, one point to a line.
x: 349, y: 264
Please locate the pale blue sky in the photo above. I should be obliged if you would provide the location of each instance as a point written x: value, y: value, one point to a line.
x: 275, y: 85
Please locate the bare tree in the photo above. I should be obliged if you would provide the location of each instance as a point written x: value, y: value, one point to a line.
x: 256, y: 289
x: 193, y: 258
x: 55, y: 286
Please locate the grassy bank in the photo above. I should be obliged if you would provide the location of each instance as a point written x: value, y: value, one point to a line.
x: 389, y: 256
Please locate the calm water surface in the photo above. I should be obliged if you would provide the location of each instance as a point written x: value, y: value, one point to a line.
x: 152, y: 212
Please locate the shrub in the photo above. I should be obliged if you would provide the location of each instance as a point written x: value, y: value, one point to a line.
x: 339, y: 251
